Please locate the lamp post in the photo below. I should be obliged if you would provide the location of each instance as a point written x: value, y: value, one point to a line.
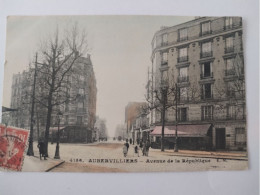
x: 30, y: 148
x: 164, y: 91
x: 176, y: 119
x: 57, y: 151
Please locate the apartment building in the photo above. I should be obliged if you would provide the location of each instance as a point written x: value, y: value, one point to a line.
x: 204, y: 60
x: 77, y: 116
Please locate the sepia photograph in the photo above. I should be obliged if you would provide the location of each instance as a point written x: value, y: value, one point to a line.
x: 124, y: 93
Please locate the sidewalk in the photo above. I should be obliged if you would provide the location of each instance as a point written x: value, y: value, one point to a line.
x: 34, y: 164
x: 205, y: 154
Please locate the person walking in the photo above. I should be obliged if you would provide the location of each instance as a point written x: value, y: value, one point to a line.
x: 127, y: 144
x: 148, y: 145
x: 125, y: 150
x: 136, y: 150
x: 41, y: 149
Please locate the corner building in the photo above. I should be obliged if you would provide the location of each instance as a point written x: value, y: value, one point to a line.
x: 205, y: 58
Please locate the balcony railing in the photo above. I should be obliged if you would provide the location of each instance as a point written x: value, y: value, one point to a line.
x: 206, y: 75
x: 207, y: 96
x: 230, y: 72
x: 164, y: 63
x: 211, y: 32
x: 206, y: 54
x: 180, y: 39
x: 229, y: 49
x: 164, y: 43
x: 183, y: 59
x: 207, y: 32
x: 208, y: 117
x: 182, y: 79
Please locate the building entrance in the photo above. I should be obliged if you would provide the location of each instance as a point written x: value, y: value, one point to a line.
x: 220, y: 138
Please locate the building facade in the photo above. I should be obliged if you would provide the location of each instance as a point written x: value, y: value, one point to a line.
x: 202, y: 60
x: 77, y: 116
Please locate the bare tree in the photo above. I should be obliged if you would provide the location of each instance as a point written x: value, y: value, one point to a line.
x: 56, y: 73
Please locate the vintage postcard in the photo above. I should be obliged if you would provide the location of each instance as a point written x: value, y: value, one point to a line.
x: 123, y: 94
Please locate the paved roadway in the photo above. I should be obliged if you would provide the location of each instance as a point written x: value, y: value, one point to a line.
x: 108, y: 157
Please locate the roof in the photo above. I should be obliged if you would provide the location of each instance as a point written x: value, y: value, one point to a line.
x: 183, y: 130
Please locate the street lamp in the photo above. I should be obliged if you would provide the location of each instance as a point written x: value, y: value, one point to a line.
x: 164, y: 91
x: 176, y: 118
x: 57, y: 151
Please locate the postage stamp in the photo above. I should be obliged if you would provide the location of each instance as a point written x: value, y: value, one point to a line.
x: 13, y: 143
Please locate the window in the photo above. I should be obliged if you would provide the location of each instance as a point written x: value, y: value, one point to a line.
x: 206, y: 70
x: 164, y: 77
x: 228, y: 22
x: 80, y: 106
x: 206, y: 113
x: 206, y: 91
x: 183, y: 94
x: 183, y: 75
x: 79, y: 120
x: 164, y: 39
x: 229, y: 45
x: 164, y: 58
x: 81, y: 91
x: 231, y: 112
x: 66, y: 120
x: 182, y: 114
x: 206, y: 50
x: 66, y: 107
x: 240, y: 136
x: 81, y: 77
x: 205, y: 28
x: 230, y: 67
x: 183, y: 34
x: 183, y: 54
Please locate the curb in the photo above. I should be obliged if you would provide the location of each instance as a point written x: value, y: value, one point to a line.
x: 55, y: 166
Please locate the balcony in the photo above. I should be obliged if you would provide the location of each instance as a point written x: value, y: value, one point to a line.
x: 229, y: 49
x: 180, y: 39
x: 208, y: 32
x: 207, y: 96
x: 182, y: 79
x: 206, y: 75
x: 164, y: 63
x: 183, y: 59
x: 164, y: 44
x: 206, y: 54
x: 230, y: 72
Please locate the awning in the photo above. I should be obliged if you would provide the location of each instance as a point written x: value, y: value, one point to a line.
x: 56, y: 128
x: 147, y: 130
x: 183, y: 130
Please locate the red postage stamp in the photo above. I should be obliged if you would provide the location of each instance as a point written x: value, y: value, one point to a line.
x: 13, y: 142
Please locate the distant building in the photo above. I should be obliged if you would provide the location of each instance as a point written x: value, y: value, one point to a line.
x: 205, y: 58
x: 135, y: 119
x: 78, y: 116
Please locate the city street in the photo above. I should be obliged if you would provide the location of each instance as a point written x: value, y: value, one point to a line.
x: 108, y: 157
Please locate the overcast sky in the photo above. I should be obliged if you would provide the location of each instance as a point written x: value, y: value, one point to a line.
x: 120, y: 53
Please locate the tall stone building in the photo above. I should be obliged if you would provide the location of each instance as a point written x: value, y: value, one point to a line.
x: 77, y: 115
x: 204, y: 57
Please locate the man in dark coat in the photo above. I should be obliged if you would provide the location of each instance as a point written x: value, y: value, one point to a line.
x: 41, y: 149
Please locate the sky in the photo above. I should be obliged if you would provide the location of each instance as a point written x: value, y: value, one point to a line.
x: 120, y: 49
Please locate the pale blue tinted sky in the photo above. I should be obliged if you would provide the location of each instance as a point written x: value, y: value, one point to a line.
x: 120, y: 53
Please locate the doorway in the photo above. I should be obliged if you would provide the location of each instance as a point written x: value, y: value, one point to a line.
x: 220, y: 138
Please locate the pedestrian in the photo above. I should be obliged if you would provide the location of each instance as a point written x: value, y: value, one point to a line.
x: 125, y: 150
x: 136, y: 150
x: 141, y: 145
x: 127, y: 144
x: 144, y: 149
x: 41, y: 147
x: 148, y: 145
x: 130, y: 141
